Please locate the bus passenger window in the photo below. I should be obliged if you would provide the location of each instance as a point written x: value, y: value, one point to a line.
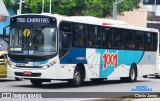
x: 79, y: 35
x: 130, y: 39
x: 119, y: 38
x: 94, y: 37
x: 154, y: 41
x: 147, y: 41
x: 139, y: 40
x: 107, y: 38
x: 64, y: 38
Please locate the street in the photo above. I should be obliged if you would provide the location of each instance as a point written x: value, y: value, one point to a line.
x: 85, y: 91
x: 114, y: 85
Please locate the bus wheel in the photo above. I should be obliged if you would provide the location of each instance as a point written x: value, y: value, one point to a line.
x: 36, y: 82
x: 133, y: 74
x: 77, y: 78
x: 18, y: 79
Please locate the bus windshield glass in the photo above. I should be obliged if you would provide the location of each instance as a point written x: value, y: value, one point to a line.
x: 37, y: 41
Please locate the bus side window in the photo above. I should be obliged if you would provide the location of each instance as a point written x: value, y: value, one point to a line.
x: 154, y: 41
x: 64, y: 38
x: 130, y: 39
x: 139, y: 40
x: 79, y: 35
x: 119, y: 38
x: 148, y: 41
x: 107, y: 38
x: 94, y: 35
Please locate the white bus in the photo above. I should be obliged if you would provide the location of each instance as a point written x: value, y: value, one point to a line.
x: 45, y: 47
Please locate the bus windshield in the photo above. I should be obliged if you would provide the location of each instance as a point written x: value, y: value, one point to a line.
x: 37, y: 41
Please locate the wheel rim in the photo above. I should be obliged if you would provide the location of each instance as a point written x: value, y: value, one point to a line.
x: 77, y: 78
x: 133, y: 74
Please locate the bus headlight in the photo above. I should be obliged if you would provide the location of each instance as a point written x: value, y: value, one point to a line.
x: 11, y: 65
x: 45, y: 67
x: 49, y: 65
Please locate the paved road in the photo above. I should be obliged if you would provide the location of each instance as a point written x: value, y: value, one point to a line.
x: 114, y: 85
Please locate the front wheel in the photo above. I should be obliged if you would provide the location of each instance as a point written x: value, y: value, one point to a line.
x: 36, y: 82
x: 18, y: 79
x: 77, y: 78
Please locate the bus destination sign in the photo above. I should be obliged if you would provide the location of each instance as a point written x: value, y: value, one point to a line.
x: 33, y: 20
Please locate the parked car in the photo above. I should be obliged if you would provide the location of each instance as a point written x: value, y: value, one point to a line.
x: 3, y: 65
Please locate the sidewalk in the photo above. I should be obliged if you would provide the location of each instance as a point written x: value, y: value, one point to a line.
x: 144, y: 99
x: 120, y: 99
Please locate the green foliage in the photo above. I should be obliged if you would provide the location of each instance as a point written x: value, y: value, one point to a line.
x: 11, y: 3
x: 98, y: 8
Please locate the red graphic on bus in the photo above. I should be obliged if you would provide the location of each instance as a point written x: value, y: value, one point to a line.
x: 110, y: 59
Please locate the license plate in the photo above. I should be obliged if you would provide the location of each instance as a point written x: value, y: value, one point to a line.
x: 27, y: 73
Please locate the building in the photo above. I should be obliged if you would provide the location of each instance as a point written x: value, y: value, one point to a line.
x: 137, y: 17
x: 4, y: 20
x: 153, y: 21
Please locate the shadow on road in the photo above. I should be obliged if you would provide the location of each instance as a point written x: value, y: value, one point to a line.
x: 62, y: 85
x: 6, y: 80
x: 153, y: 77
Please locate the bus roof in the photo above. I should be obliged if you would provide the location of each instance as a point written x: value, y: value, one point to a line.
x: 95, y: 21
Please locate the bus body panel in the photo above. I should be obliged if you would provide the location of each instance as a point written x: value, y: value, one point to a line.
x: 117, y: 64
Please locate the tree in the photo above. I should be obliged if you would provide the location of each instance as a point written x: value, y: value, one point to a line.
x: 97, y: 8
x: 11, y: 3
x: 14, y: 4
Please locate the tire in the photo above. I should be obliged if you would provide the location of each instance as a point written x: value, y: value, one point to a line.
x: 77, y: 78
x: 144, y: 76
x: 18, y: 79
x: 133, y: 74
x: 36, y: 82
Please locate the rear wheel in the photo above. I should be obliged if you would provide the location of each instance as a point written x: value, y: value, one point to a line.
x: 36, y: 82
x: 77, y: 78
x: 133, y: 74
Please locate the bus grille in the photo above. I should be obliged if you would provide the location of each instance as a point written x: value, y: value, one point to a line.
x: 33, y: 74
x: 29, y: 66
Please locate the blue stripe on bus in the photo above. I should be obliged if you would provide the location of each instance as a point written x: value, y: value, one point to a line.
x: 126, y: 57
x: 75, y: 56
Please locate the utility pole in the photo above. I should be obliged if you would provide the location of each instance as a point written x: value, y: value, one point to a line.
x: 20, y: 6
x: 50, y: 7
x: 115, y: 8
x: 42, y: 6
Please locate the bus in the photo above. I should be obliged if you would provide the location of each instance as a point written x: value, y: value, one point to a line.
x: 45, y: 47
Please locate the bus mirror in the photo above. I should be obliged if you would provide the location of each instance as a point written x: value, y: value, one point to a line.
x: 4, y: 32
